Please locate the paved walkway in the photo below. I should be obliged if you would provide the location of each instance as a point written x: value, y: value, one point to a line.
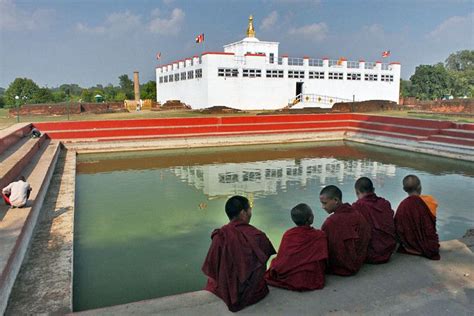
x: 407, y: 285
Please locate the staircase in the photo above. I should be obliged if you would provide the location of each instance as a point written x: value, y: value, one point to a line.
x: 34, y: 158
x: 313, y: 100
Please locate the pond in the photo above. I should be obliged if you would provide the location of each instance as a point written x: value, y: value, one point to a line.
x: 143, y: 219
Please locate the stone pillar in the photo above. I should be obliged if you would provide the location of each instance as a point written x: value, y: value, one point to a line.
x: 136, y: 86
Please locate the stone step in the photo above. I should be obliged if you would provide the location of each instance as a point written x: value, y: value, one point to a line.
x: 11, y: 135
x: 16, y: 225
x: 461, y: 133
x: 452, y: 140
x: 16, y: 161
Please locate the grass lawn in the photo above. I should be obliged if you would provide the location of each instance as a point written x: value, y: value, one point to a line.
x: 6, y: 120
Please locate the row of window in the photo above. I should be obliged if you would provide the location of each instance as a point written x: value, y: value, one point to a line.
x: 257, y: 73
x: 181, y: 76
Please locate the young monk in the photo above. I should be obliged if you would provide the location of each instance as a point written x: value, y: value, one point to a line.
x: 347, y: 231
x: 237, y: 259
x: 415, y: 221
x: 379, y: 214
x: 301, y: 258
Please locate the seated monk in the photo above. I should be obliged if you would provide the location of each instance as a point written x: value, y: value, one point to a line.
x: 415, y: 221
x: 301, y: 258
x: 379, y: 214
x: 347, y: 231
x: 237, y: 259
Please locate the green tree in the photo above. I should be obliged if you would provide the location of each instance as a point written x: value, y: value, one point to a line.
x: 87, y: 96
x: 430, y: 82
x: 126, y: 86
x: 120, y: 96
x: 42, y: 95
x: 406, y: 88
x: 110, y: 92
x: 24, y: 88
x: 148, y: 90
x: 2, y: 101
x: 460, y: 66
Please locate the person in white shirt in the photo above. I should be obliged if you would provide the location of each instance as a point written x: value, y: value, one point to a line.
x: 17, y: 193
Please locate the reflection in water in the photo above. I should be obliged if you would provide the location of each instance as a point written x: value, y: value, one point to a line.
x: 143, y: 220
x: 268, y: 177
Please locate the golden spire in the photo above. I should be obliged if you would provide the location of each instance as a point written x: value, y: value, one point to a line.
x: 250, y: 29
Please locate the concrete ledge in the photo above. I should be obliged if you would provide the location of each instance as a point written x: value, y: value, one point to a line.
x: 408, y: 285
x: 12, y: 134
x: 16, y: 227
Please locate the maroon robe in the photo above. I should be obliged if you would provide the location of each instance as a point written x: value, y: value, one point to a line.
x: 348, y: 236
x: 236, y: 263
x: 379, y: 214
x: 301, y: 260
x: 416, y: 228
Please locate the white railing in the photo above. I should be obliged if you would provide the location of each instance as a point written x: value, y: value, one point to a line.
x: 315, y: 62
x: 369, y: 65
x: 353, y: 64
x: 293, y: 61
x: 314, y: 98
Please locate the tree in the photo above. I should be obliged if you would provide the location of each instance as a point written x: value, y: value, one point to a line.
x: 406, y: 88
x: 148, y: 90
x: 24, y: 88
x: 87, y: 96
x: 126, y: 85
x: 430, y: 82
x: 42, y: 95
x: 460, y: 66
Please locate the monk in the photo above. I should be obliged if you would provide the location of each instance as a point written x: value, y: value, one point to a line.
x: 415, y: 221
x: 347, y: 231
x: 379, y: 214
x: 301, y: 258
x: 237, y: 259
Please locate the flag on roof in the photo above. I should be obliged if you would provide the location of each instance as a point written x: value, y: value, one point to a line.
x: 158, y: 55
x: 385, y: 53
x: 200, y: 38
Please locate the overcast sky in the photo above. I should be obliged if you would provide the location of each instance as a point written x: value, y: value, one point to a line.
x: 93, y: 42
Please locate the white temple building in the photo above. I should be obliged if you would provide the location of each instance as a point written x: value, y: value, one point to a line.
x: 250, y: 75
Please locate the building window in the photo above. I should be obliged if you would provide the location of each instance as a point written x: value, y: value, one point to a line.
x: 170, y: 78
x: 228, y: 177
x: 272, y: 58
x: 296, y: 74
x: 251, y: 176
x: 370, y: 77
x: 353, y: 76
x: 227, y: 72
x: 183, y: 76
x: 274, y: 73
x: 176, y: 77
x: 165, y: 79
x: 252, y: 73
x: 316, y: 75
x: 191, y: 74
x: 336, y: 75
x: 198, y: 73
x: 161, y: 79
x: 387, y: 78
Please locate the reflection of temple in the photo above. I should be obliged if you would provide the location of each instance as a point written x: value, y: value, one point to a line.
x: 267, y: 176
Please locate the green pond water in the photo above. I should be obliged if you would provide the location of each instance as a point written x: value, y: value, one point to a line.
x: 143, y: 220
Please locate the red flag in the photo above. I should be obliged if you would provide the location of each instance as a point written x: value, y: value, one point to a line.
x: 200, y: 38
x: 385, y: 53
x: 158, y: 55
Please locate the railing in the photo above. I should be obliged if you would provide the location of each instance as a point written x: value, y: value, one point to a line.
x: 314, y: 98
x: 352, y: 64
x: 315, y: 62
x: 369, y: 65
x: 280, y: 60
x: 295, y: 61
x: 386, y: 67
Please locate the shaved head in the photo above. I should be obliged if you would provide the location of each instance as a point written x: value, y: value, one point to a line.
x: 302, y: 214
x: 364, y: 185
x: 411, y: 184
x: 332, y: 192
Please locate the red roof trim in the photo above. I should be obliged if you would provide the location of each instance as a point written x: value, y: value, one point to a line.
x: 325, y: 58
x: 284, y: 56
x: 361, y: 61
x: 395, y: 63
x: 378, y: 62
x: 216, y: 53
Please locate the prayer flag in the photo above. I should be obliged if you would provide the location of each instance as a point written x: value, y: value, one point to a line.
x: 158, y: 55
x: 385, y: 53
x: 200, y: 38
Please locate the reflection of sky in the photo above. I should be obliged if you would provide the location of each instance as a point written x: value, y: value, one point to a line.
x: 144, y: 233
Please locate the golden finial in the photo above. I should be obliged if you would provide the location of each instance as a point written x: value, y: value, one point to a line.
x: 250, y: 29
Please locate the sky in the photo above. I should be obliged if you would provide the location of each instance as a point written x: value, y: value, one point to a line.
x: 94, y: 42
